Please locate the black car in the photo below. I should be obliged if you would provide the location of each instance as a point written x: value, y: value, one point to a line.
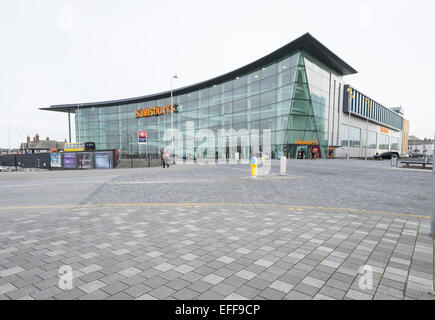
x: 387, y: 155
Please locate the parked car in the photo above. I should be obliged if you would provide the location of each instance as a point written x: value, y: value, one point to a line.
x: 404, y: 155
x: 387, y: 155
x: 415, y: 154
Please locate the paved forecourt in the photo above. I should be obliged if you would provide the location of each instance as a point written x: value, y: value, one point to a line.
x: 122, y: 244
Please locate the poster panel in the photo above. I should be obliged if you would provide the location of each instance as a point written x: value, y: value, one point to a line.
x: 102, y: 161
x: 84, y: 160
x: 69, y: 161
x: 56, y: 160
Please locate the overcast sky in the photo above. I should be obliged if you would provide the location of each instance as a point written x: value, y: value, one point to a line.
x: 55, y: 52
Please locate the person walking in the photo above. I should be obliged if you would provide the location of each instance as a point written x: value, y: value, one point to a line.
x: 162, y: 152
x: 166, y: 158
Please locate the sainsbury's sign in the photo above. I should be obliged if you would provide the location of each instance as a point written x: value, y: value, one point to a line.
x: 154, y: 111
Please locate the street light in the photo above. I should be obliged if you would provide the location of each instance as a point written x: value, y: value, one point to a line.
x: 9, y: 137
x: 351, y: 97
x: 175, y: 76
x: 369, y: 103
x: 78, y: 121
x: 432, y: 225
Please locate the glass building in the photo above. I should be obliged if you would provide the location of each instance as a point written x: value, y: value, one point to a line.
x: 296, y: 92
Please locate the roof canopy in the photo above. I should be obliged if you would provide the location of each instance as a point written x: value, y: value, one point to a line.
x: 306, y: 42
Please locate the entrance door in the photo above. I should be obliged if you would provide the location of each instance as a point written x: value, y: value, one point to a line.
x: 301, y: 152
x: 315, y: 151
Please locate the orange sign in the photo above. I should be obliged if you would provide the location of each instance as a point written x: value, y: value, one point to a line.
x: 384, y: 130
x: 309, y: 143
x: 154, y: 111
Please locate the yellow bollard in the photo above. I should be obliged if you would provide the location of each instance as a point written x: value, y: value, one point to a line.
x: 254, y: 163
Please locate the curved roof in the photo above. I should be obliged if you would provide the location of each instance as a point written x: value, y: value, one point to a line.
x: 306, y: 42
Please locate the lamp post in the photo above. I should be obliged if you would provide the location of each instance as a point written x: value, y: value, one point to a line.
x: 351, y: 97
x: 369, y: 104
x: 9, y: 137
x: 78, y: 120
x: 432, y: 225
x: 175, y: 76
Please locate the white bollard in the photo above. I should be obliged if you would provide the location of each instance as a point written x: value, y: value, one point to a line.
x: 283, y: 169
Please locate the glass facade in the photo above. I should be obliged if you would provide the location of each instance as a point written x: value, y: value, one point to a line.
x: 384, y: 142
x: 290, y: 97
x: 351, y: 136
x: 394, y: 144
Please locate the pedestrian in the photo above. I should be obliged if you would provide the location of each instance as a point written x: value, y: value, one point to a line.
x: 312, y: 154
x: 166, y: 158
x: 162, y: 157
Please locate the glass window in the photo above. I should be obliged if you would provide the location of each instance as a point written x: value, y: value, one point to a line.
x: 287, y: 77
x: 216, y: 89
x: 372, y: 140
x: 203, y: 113
x: 285, y: 93
x: 203, y: 93
x: 192, y: 96
x: 268, y: 111
x: 284, y: 65
x: 239, y: 93
x: 254, y: 125
x: 202, y: 103
x: 384, y: 142
x: 227, y: 108
x: 254, y: 114
x: 394, y: 144
x: 350, y: 136
x: 214, y: 100
x: 240, y: 82
x: 300, y: 75
x: 283, y: 108
x: 227, y: 96
x: 227, y: 86
x: 239, y: 105
x: 254, y: 88
x: 267, y: 124
x: 268, y: 71
x: 239, y: 117
x: 253, y: 77
x: 268, y: 98
x: 268, y: 84
x: 301, y: 107
x: 214, y: 111
x: 301, y: 91
x: 281, y: 123
x: 254, y: 102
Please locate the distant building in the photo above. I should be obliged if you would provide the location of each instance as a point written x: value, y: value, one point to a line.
x: 41, y: 146
x: 421, y: 145
x: 7, y: 151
